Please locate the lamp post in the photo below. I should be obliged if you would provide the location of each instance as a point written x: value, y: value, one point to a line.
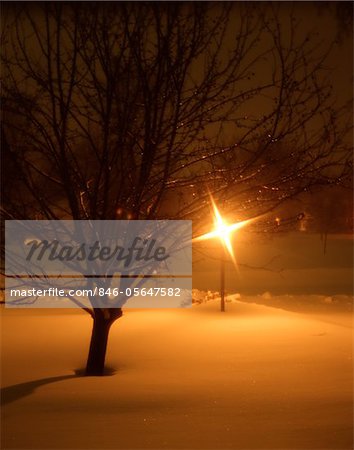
x: 223, y: 231
x: 222, y: 278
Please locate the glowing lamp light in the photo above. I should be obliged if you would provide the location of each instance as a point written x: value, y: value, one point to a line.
x: 223, y: 230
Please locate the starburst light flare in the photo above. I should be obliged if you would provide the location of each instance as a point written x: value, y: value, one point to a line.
x: 223, y: 230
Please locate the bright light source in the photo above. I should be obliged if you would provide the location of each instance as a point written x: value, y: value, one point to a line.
x: 223, y: 230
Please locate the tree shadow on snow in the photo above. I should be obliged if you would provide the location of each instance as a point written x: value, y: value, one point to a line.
x: 12, y: 393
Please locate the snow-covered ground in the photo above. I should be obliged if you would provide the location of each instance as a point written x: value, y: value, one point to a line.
x: 333, y: 308
x: 255, y: 377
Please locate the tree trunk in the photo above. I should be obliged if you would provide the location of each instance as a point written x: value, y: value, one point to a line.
x: 98, y: 345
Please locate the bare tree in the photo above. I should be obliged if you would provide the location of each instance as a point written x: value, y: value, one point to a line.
x: 119, y: 110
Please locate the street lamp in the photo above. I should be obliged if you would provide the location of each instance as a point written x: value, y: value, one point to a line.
x: 223, y: 231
